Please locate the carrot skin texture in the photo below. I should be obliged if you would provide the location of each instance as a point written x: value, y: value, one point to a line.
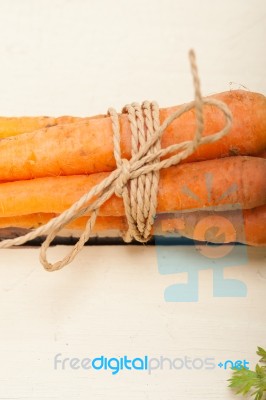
x: 244, y: 176
x: 262, y: 155
x: 87, y: 146
x: 255, y: 222
x: 244, y: 226
x: 33, y: 221
x: 249, y: 224
x: 12, y: 126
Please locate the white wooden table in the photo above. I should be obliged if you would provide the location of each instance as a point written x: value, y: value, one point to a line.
x: 78, y: 58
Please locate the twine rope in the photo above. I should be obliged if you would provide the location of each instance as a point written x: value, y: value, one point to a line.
x: 135, y: 180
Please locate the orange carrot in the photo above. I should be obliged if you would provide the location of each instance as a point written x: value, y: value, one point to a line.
x: 255, y: 222
x: 87, y: 147
x: 32, y: 221
x: 262, y: 155
x: 236, y: 182
x: 11, y: 126
x: 244, y: 226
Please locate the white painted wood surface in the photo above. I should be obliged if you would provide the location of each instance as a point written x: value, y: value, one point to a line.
x: 80, y: 57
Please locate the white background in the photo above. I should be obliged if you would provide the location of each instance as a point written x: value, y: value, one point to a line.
x: 78, y: 58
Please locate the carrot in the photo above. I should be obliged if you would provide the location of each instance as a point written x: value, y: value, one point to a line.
x: 244, y: 226
x: 255, y: 222
x: 32, y: 221
x: 11, y: 126
x: 87, y: 146
x: 236, y: 182
x: 262, y: 155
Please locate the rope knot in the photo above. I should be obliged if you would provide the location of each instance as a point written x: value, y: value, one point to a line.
x: 123, y: 177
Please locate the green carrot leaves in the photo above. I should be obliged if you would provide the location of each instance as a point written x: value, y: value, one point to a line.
x: 261, y: 352
x: 244, y: 380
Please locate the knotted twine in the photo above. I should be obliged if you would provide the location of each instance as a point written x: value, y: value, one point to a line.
x: 135, y: 180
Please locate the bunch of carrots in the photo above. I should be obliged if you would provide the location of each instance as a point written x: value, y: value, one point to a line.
x: 47, y: 164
